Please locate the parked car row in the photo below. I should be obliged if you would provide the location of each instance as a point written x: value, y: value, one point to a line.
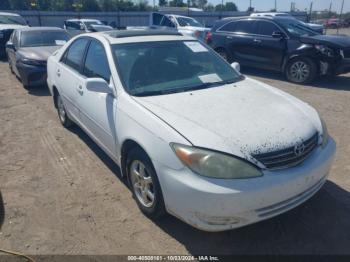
x: 193, y: 136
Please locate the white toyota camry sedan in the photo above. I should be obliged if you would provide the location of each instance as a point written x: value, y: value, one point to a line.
x: 193, y: 136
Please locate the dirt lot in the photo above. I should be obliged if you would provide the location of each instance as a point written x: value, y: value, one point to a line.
x: 63, y: 195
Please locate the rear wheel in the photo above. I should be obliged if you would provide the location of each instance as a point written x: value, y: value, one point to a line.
x: 301, y: 70
x: 62, y: 113
x: 144, y: 184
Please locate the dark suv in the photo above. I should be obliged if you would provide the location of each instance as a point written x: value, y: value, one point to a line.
x: 280, y: 44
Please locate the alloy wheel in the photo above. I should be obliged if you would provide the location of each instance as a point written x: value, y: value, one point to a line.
x: 142, y: 183
x: 299, y: 71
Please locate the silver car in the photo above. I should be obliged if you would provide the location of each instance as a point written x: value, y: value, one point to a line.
x: 28, y: 50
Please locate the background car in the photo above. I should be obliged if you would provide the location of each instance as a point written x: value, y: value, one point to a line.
x: 191, y: 134
x: 280, y: 44
x: 183, y: 24
x: 316, y: 27
x: 28, y: 50
x: 9, y: 22
x: 79, y: 26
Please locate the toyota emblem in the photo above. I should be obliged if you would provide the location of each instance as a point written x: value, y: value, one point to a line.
x: 299, y: 149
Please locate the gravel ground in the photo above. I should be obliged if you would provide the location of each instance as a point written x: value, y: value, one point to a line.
x: 63, y: 195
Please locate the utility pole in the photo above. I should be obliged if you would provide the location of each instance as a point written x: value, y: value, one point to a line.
x: 340, y: 16
x: 275, y: 5
x: 310, y: 11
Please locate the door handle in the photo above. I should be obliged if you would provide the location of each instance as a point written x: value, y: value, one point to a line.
x: 258, y: 41
x: 80, y: 89
x: 58, y: 72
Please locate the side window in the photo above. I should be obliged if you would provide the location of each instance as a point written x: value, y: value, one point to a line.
x: 157, y: 18
x: 96, y: 63
x: 75, y: 54
x: 230, y: 27
x: 167, y: 22
x: 246, y: 27
x: 72, y: 25
x: 267, y: 28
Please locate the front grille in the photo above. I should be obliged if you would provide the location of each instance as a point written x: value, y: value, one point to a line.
x: 290, y: 156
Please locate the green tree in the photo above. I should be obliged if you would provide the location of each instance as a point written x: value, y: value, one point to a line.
x: 177, y: 3
x: 230, y: 6
x: 90, y: 5
x: 162, y: 2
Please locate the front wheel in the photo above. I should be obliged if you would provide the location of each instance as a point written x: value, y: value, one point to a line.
x: 301, y: 70
x: 62, y: 113
x: 144, y: 184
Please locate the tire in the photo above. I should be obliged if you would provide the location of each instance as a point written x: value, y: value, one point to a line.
x: 143, y: 182
x: 62, y: 113
x: 301, y: 70
x: 222, y: 52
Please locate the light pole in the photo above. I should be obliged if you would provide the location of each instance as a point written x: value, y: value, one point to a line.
x: 341, y: 14
x: 35, y: 5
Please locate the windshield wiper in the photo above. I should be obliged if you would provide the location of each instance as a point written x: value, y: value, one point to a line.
x: 210, y: 84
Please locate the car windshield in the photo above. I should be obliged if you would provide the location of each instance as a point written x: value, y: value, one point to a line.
x: 297, y: 28
x: 12, y: 19
x: 43, y: 38
x: 150, y: 69
x: 186, y: 21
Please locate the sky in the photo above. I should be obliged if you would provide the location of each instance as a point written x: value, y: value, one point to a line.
x: 284, y: 5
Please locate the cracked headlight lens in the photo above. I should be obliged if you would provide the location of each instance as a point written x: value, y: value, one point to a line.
x: 325, y: 50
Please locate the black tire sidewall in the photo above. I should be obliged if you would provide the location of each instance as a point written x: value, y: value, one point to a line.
x: 157, y: 210
x: 312, y: 65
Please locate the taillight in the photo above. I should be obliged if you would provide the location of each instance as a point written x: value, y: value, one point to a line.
x: 208, y: 37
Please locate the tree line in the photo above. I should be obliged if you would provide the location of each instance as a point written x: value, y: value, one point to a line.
x: 110, y: 5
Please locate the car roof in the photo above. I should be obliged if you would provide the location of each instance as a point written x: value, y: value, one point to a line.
x: 41, y: 28
x: 136, y: 36
x: 9, y: 14
x: 270, y: 14
x: 83, y: 20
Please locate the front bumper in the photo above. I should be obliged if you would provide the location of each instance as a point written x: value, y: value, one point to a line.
x: 32, y: 75
x: 219, y: 204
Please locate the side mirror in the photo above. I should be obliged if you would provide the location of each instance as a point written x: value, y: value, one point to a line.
x: 236, y: 66
x: 10, y: 45
x: 98, y: 85
x: 278, y: 34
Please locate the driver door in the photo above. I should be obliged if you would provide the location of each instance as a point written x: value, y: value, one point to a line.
x: 97, y: 110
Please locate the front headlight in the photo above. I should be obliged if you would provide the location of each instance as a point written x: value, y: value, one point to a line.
x: 213, y: 164
x: 33, y: 62
x: 325, y: 50
x: 325, y: 135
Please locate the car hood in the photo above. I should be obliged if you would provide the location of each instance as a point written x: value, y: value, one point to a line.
x: 41, y: 53
x: 242, y: 119
x: 338, y: 41
x: 11, y: 26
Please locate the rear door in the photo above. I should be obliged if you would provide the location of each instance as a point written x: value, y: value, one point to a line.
x: 241, y: 41
x: 161, y: 21
x: 68, y: 73
x: 270, y: 50
x: 97, y: 110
